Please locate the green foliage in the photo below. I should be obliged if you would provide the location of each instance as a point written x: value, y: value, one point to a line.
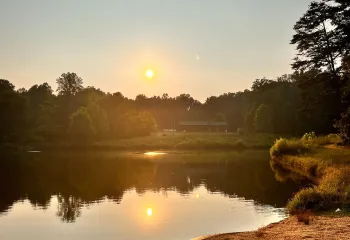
x: 99, y: 119
x: 322, y: 41
x: 219, y: 117
x: 13, y: 112
x: 284, y: 146
x: 318, y: 45
x: 249, y: 120
x: 263, y: 119
x: 309, y: 136
x: 44, y: 125
x: 311, y: 99
x: 319, y: 101
x: 334, y: 138
x: 69, y: 84
x: 343, y: 126
x: 81, y: 127
x: 134, y: 124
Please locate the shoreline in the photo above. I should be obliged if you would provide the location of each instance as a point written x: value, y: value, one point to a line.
x: 164, y: 141
x: 320, y: 227
x: 316, y: 162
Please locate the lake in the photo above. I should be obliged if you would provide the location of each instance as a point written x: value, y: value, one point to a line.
x: 111, y: 195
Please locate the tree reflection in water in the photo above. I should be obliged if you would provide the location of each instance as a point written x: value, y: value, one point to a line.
x: 69, y: 208
x: 79, y: 178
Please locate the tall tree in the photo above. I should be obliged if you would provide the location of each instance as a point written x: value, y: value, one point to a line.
x: 13, y: 112
x: 69, y: 84
x: 322, y: 40
x: 319, y: 41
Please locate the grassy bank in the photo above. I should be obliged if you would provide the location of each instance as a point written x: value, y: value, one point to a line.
x: 171, y: 141
x: 320, y: 160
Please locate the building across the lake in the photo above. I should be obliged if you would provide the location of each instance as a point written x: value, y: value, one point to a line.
x: 202, y: 126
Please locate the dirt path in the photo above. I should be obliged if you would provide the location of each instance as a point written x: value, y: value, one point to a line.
x: 325, y: 228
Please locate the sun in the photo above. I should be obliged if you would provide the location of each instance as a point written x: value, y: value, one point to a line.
x: 149, y: 212
x: 149, y: 73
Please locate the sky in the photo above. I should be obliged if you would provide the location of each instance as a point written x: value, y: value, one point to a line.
x: 199, y: 47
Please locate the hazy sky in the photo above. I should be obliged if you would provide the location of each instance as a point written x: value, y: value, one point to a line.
x: 200, y: 47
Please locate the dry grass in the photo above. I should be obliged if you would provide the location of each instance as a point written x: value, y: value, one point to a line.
x: 284, y: 146
x: 304, y: 145
x: 333, y: 189
x: 304, y: 217
x: 321, y: 228
x: 259, y: 233
x: 324, y: 164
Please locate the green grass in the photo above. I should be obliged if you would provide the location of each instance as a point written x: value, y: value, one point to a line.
x: 319, y: 159
x: 178, y: 141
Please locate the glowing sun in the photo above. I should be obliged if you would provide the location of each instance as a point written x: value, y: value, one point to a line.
x: 149, y: 73
x: 149, y: 212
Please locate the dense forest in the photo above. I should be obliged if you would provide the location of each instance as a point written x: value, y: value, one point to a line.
x: 315, y: 97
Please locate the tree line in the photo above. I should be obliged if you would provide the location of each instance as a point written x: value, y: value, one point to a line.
x: 315, y: 97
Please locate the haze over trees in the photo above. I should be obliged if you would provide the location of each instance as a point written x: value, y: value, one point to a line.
x: 315, y: 97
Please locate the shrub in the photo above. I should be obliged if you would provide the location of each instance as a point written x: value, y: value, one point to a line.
x: 312, y: 139
x: 308, y: 136
x: 306, y: 199
x: 334, y: 138
x: 334, y: 187
x: 336, y: 181
x: 283, y: 146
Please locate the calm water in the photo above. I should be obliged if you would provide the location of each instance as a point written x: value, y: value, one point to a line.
x: 137, y: 196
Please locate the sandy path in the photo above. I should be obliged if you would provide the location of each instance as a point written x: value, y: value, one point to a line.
x: 326, y: 228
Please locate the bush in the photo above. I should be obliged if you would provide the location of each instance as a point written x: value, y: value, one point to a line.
x: 333, y: 188
x: 306, y: 199
x: 334, y: 138
x: 284, y: 146
x: 308, y: 136
x: 312, y: 139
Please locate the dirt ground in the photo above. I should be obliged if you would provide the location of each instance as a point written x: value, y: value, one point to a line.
x: 326, y: 228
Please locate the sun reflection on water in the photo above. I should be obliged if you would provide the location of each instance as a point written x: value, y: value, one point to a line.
x: 154, y: 153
